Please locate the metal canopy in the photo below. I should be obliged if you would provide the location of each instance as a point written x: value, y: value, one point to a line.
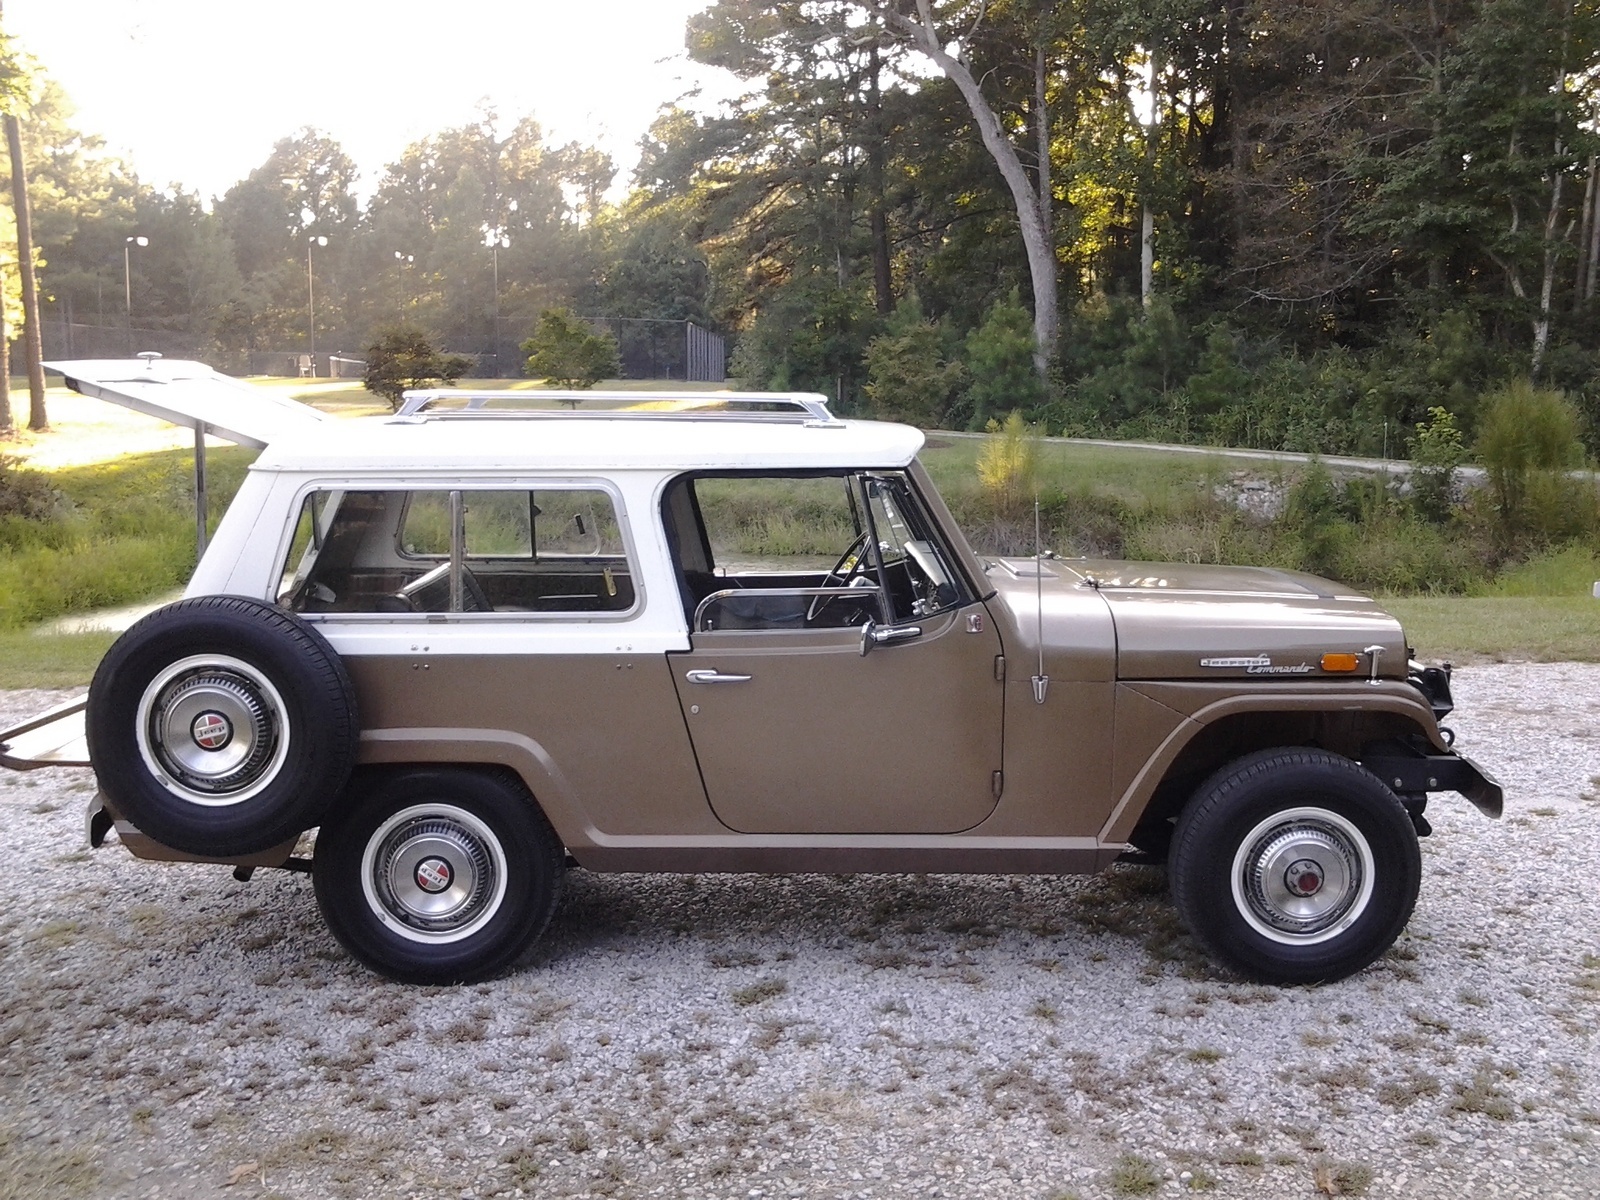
x: 191, y: 394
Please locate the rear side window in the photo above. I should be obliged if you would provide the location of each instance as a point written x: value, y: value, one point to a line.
x: 546, y: 523
x: 536, y: 550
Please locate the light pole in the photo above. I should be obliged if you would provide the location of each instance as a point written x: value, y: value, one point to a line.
x: 311, y: 298
x: 400, y: 261
x: 128, y: 244
x: 497, y: 241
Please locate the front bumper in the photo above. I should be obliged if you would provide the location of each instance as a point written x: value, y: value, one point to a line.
x: 1410, y: 771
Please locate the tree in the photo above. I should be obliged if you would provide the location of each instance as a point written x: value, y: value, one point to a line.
x: 1527, y: 440
x: 15, y: 93
x: 304, y: 189
x: 564, y: 351
x: 402, y: 358
x: 909, y: 375
x: 1000, y: 355
x: 1033, y: 199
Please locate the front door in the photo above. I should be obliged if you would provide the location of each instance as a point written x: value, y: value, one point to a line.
x: 797, y: 731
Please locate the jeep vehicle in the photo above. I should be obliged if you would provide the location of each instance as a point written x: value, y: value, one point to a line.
x: 474, y: 646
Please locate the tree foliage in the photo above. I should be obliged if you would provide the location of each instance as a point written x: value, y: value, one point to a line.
x: 911, y: 374
x: 402, y: 358
x: 566, y: 353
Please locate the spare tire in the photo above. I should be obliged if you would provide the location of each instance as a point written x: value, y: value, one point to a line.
x: 221, y: 725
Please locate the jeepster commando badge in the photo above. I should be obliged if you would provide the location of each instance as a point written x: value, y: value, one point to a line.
x: 1259, y: 664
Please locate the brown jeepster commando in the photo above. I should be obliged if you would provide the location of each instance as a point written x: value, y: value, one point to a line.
x: 473, y: 646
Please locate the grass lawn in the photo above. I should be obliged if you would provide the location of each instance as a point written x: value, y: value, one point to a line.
x: 38, y: 660
x: 1478, y: 629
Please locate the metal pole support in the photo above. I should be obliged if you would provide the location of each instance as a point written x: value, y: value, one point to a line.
x: 199, y: 491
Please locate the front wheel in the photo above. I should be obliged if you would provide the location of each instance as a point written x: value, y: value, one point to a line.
x: 1295, y: 865
x: 438, y: 875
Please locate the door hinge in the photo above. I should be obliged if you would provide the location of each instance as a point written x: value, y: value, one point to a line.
x: 999, y: 668
x: 998, y: 782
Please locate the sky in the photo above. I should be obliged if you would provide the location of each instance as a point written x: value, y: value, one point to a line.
x: 195, y: 92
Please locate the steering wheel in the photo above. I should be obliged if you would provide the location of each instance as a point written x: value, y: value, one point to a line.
x: 852, y: 564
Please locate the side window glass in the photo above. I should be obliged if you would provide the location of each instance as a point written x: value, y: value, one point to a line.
x: 302, y: 550
x: 464, y: 550
x: 766, y: 525
x: 427, y: 527
x: 921, y: 581
x: 576, y: 523
x: 499, y: 524
x: 785, y: 552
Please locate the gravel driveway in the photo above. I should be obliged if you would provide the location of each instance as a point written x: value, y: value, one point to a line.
x: 165, y: 1028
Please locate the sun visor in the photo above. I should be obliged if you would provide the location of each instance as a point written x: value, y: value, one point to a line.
x: 190, y: 394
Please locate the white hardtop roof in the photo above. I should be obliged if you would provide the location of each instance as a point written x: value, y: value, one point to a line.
x: 583, y: 443
x: 296, y: 437
x: 191, y: 394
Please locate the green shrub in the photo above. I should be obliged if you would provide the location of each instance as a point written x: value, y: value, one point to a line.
x: 1406, y: 554
x: 566, y: 353
x: 1008, y: 466
x: 909, y: 375
x: 402, y: 358
x: 1315, y: 519
x: 118, y: 532
x: 1436, y: 455
x: 1000, y: 361
x: 24, y: 494
x: 1527, y: 439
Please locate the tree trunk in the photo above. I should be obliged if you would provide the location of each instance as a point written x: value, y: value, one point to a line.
x: 882, y: 282
x: 1593, y: 250
x: 1578, y: 284
x: 1035, y: 237
x: 1147, y: 230
x: 7, y: 425
x: 1041, y: 134
x: 33, y: 341
x: 1541, y: 326
x: 1147, y: 258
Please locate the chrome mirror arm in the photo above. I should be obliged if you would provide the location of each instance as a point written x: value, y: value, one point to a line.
x: 873, y: 634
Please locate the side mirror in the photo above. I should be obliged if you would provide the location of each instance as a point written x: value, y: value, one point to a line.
x: 873, y: 634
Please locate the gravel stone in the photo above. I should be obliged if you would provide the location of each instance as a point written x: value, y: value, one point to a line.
x: 164, y: 1028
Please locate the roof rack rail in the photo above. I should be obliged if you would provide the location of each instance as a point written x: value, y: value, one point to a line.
x: 803, y: 407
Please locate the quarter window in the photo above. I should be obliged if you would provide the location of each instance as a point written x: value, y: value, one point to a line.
x: 537, y: 550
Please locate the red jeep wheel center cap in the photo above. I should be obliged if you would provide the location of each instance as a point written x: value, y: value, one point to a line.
x: 1304, y: 877
x: 434, y: 875
x: 211, y: 731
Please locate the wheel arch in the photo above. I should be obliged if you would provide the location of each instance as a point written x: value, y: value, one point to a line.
x: 519, y: 755
x: 1224, y: 730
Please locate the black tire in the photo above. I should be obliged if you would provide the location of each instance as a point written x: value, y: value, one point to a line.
x: 221, y: 725
x: 438, y: 875
x: 1295, y: 865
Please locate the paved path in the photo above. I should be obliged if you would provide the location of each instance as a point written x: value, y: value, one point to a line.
x: 1391, y: 466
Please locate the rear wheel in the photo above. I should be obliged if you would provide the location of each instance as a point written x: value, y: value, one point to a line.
x: 438, y: 875
x: 1295, y: 865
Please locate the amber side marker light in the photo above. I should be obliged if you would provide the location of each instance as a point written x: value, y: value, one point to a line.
x: 1341, y: 662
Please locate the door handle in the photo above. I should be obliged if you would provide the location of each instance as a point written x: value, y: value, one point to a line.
x: 709, y: 676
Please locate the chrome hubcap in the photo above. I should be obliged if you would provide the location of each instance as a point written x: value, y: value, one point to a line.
x: 434, y: 873
x: 1303, y: 875
x: 212, y: 729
